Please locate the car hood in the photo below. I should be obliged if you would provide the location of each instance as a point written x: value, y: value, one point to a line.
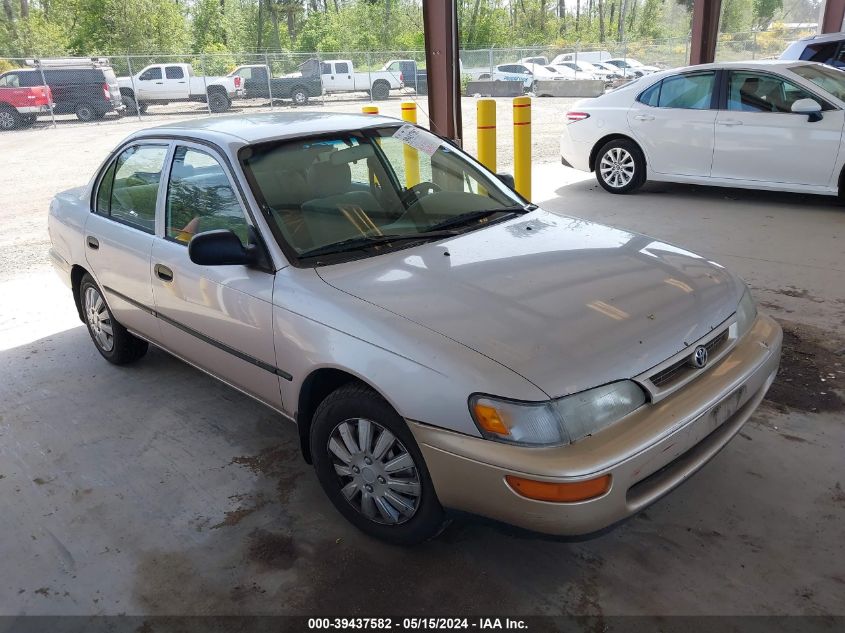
x: 566, y: 303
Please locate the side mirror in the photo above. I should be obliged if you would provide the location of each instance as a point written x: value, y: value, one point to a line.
x: 810, y: 107
x: 221, y: 248
x: 507, y: 179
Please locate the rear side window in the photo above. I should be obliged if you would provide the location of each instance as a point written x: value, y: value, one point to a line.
x: 134, y: 186
x: 824, y: 53
x: 688, y: 92
x: 174, y: 72
x: 651, y: 95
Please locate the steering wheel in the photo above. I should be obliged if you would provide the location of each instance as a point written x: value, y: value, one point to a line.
x: 411, y: 196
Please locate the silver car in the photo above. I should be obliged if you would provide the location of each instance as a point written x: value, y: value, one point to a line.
x: 440, y: 342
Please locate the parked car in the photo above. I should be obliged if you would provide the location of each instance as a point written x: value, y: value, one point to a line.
x: 526, y: 73
x: 338, y: 75
x: 20, y: 106
x: 164, y: 83
x: 413, y: 76
x: 84, y: 87
x: 585, y: 70
x: 677, y: 126
x: 297, y: 87
x: 288, y: 257
x: 631, y: 67
x: 592, y: 57
x: 612, y: 71
x: 826, y: 49
x: 536, y: 61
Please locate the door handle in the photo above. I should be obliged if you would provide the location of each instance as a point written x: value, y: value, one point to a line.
x: 159, y: 83
x: 644, y: 117
x: 163, y: 272
x: 93, y: 242
x: 730, y: 122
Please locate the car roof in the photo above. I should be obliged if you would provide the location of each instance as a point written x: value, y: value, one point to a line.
x: 757, y: 64
x: 826, y: 37
x: 258, y: 127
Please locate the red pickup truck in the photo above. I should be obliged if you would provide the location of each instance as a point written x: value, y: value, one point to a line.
x: 20, y: 107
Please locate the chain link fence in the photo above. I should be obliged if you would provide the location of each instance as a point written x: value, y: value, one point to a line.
x: 54, y: 92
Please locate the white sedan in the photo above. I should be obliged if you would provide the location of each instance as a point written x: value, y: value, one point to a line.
x: 773, y: 125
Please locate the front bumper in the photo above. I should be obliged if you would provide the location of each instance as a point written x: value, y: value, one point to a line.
x: 38, y: 109
x: 647, y: 454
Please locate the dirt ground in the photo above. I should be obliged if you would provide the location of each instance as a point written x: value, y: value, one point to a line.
x: 154, y: 489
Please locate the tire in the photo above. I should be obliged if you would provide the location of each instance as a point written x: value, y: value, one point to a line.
x: 397, y: 517
x: 218, y: 101
x: 130, y: 103
x: 381, y: 90
x: 121, y: 347
x: 85, y: 112
x: 620, y: 166
x: 10, y: 119
x: 299, y: 95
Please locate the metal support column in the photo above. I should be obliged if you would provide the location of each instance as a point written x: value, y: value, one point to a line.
x: 705, y: 31
x: 440, y: 23
x: 832, y: 15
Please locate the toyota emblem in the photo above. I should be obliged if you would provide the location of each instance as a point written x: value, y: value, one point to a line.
x: 699, y: 357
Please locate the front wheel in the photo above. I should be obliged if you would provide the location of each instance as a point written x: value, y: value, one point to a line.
x: 620, y: 166
x: 112, y: 340
x: 371, y: 468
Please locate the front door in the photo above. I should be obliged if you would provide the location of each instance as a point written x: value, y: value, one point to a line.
x: 150, y: 84
x: 219, y: 318
x: 673, y: 122
x: 758, y: 137
x: 120, y: 232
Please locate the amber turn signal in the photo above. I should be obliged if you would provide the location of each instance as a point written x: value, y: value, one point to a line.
x: 489, y: 420
x: 560, y: 492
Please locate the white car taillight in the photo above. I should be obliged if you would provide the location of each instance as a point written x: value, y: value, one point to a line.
x: 573, y: 117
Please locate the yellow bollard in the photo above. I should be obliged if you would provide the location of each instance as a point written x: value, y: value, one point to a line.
x: 412, y: 157
x: 369, y: 109
x: 486, y: 133
x: 522, y: 146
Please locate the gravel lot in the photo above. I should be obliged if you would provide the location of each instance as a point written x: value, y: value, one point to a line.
x: 35, y: 164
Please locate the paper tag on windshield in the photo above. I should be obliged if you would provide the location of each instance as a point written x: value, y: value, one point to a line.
x: 416, y: 138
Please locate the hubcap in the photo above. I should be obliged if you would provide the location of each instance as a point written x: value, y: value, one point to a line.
x: 99, y: 319
x: 7, y: 121
x: 617, y: 167
x: 378, y: 476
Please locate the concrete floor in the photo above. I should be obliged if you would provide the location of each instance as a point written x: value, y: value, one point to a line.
x: 153, y: 489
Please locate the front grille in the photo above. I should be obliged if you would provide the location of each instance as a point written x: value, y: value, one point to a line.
x: 680, y: 369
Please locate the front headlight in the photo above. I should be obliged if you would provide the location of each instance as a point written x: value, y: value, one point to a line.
x: 746, y: 313
x: 556, y: 422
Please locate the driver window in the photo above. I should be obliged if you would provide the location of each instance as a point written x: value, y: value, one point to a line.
x: 151, y: 73
x: 757, y: 92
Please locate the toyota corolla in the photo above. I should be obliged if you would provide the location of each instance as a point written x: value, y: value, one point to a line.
x: 440, y: 342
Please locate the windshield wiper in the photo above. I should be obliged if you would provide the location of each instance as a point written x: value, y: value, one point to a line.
x: 366, y: 241
x: 473, y: 216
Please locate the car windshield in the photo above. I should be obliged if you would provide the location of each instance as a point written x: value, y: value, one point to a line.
x: 825, y: 77
x: 361, y: 193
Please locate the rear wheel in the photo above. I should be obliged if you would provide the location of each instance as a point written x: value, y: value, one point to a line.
x: 112, y: 340
x: 299, y: 96
x: 381, y: 90
x: 218, y: 101
x: 10, y: 119
x: 85, y: 112
x: 371, y: 468
x: 620, y: 166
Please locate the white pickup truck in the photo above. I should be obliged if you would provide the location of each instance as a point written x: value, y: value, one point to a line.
x: 338, y: 75
x: 163, y: 83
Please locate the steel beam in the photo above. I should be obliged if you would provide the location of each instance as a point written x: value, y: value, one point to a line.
x: 705, y: 31
x: 440, y: 24
x: 832, y: 15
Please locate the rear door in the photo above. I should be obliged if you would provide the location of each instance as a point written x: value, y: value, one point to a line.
x: 219, y: 318
x: 758, y: 137
x: 673, y: 121
x: 176, y: 84
x: 337, y: 77
x: 120, y: 231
